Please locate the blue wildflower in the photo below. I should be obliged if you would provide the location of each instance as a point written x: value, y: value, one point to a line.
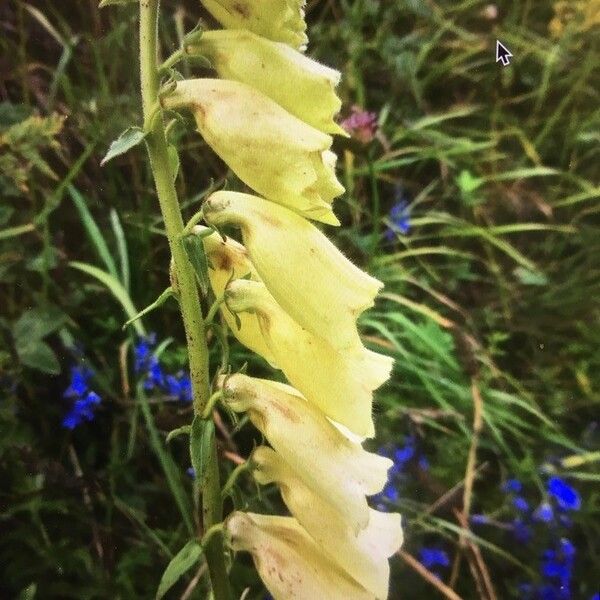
x: 143, y: 352
x: 432, y: 557
x: 520, y: 504
x: 399, y: 216
x: 391, y: 493
x: 78, y: 385
x: 566, y: 496
x: 512, y: 485
x: 544, y: 513
x: 521, y: 531
x: 479, y: 519
x: 85, y: 400
x: 423, y: 463
x: 403, y: 455
x: 185, y: 388
x: 191, y: 472
x: 567, y: 549
x: 596, y: 596
x: 555, y: 568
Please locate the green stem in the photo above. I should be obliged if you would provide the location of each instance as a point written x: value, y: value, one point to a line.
x: 189, y: 300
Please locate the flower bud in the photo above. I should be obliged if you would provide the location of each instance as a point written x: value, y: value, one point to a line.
x: 307, y: 275
x: 363, y: 556
x: 273, y: 152
x: 304, y: 87
x: 228, y: 260
x: 278, y: 20
x: 341, y: 384
x: 288, y: 560
x: 327, y: 462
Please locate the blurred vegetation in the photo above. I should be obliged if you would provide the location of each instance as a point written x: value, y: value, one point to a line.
x: 491, y: 295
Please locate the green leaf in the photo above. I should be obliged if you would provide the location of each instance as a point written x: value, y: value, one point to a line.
x: 92, y: 230
x: 37, y: 323
x: 131, y: 137
x: 16, y: 231
x: 121, y: 247
x: 170, y: 469
x: 104, y: 3
x: 195, y: 251
x: 529, y: 277
x: 201, y: 437
x: 115, y: 287
x: 184, y: 560
x: 467, y: 182
x: 166, y: 294
x: 37, y: 355
x: 184, y: 430
x: 173, y: 160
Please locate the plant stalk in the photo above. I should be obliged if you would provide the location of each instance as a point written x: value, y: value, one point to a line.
x: 185, y: 284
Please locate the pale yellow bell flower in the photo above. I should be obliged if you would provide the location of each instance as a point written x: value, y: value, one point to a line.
x: 279, y: 20
x: 273, y: 152
x: 288, y: 560
x: 340, y: 384
x: 335, y: 468
x: 364, y: 556
x: 229, y: 260
x: 304, y: 87
x: 308, y: 276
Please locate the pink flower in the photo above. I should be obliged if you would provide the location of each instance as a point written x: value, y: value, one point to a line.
x: 361, y: 124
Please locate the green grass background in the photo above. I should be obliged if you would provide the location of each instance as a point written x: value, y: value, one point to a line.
x: 496, y: 285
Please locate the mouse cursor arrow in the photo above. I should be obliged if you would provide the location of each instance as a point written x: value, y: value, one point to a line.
x: 503, y: 54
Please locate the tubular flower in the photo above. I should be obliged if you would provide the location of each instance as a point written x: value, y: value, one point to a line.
x: 228, y: 260
x: 281, y: 73
x: 273, y: 152
x: 363, y: 556
x: 307, y: 275
x: 288, y: 560
x: 340, y: 384
x: 333, y: 467
x: 279, y: 20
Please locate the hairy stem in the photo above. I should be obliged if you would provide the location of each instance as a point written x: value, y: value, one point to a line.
x: 185, y: 284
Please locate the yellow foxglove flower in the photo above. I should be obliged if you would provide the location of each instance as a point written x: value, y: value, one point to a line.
x: 364, y: 556
x: 308, y: 276
x: 304, y: 87
x: 289, y: 561
x: 279, y: 20
x: 329, y: 463
x: 273, y: 152
x: 340, y: 384
x: 229, y: 260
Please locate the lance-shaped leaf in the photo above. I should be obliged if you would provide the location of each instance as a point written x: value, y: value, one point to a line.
x: 279, y: 20
x: 304, y: 87
x: 289, y: 561
x: 308, y: 276
x: 329, y: 463
x: 364, y: 556
x: 229, y: 260
x: 273, y: 152
x: 341, y: 384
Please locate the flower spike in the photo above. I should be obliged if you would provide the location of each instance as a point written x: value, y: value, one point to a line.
x: 279, y: 20
x: 273, y: 152
x: 338, y: 470
x: 307, y: 275
x: 228, y: 260
x: 363, y: 556
x: 289, y: 561
x: 290, y: 78
x: 340, y: 384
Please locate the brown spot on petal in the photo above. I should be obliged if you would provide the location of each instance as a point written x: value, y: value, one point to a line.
x: 241, y: 9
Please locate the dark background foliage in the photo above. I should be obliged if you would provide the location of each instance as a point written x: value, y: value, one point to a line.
x: 490, y: 261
